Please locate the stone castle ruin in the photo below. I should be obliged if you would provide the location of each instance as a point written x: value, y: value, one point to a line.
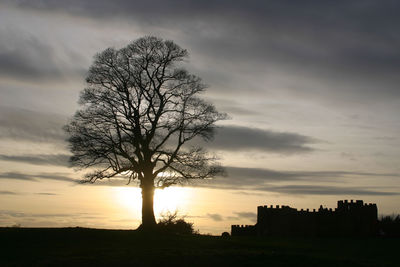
x: 348, y: 219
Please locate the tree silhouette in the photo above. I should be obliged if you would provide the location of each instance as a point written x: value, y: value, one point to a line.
x: 137, y: 116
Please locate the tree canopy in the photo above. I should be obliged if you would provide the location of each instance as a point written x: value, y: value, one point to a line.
x: 140, y: 115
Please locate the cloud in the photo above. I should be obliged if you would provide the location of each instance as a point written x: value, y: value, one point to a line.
x: 31, y: 219
x: 27, y: 58
x: 265, y: 180
x: 56, y: 160
x: 338, y: 52
x: 17, y: 214
x: 243, y: 216
x: 246, y: 215
x: 385, y: 138
x: 215, y: 217
x: 247, y: 175
x: 21, y: 124
x: 35, y: 177
x: 327, y: 190
x: 46, y: 194
x: 238, y: 216
x: 233, y: 138
x: 300, y: 55
x: 249, y: 193
x: 24, y: 56
x: 29, y: 125
x: 339, y: 39
x: 3, y: 192
x: 348, y: 155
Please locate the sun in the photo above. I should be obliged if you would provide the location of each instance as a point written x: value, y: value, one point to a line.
x: 170, y: 199
x: 128, y: 197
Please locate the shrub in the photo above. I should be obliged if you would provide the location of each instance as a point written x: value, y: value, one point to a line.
x: 225, y: 235
x: 389, y: 226
x: 171, y: 223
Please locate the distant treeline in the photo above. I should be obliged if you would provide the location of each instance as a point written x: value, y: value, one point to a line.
x: 389, y: 226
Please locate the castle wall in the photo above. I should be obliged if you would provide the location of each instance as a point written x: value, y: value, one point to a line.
x: 348, y: 219
x: 243, y: 230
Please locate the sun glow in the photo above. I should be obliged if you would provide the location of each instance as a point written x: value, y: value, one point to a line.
x: 168, y: 199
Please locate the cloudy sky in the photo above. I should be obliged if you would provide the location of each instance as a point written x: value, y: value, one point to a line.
x: 311, y: 88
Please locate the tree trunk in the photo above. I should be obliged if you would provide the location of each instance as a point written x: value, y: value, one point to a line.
x: 148, y: 219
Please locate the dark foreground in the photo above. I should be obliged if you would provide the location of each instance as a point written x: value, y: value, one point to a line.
x: 91, y: 247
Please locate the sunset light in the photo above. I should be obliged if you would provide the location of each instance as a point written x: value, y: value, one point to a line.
x: 213, y: 119
x: 165, y: 200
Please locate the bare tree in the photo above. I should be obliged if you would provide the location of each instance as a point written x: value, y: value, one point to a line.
x: 137, y: 116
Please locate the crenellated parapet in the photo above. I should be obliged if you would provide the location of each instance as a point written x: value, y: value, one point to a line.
x: 243, y: 230
x: 349, y: 218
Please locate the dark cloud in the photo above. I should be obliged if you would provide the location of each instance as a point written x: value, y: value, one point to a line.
x: 215, y: 217
x: 16, y: 176
x: 21, y: 124
x: 233, y: 138
x: 27, y: 58
x: 35, y: 177
x: 265, y: 180
x: 115, y: 181
x: 56, y: 160
x: 327, y: 190
x: 3, y: 192
x: 339, y: 52
x: 234, y: 108
x: 350, y: 47
x: 348, y: 155
x: 264, y: 175
x: 46, y: 194
x: 249, y: 193
x: 343, y: 52
x: 246, y: 215
x: 243, y: 216
x: 385, y: 138
x: 17, y: 214
x: 6, y: 213
x: 29, y: 125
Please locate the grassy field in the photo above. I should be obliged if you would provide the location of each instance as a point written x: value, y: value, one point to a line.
x: 92, y: 247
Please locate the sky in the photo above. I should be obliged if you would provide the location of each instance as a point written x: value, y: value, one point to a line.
x: 311, y: 89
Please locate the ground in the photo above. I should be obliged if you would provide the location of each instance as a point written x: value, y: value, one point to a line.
x: 96, y: 247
